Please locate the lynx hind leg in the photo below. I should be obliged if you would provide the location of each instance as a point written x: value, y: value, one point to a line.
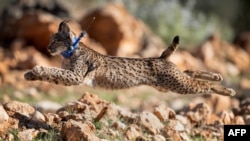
x: 203, y: 75
x: 222, y: 90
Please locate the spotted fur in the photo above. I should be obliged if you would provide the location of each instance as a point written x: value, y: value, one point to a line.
x: 88, y: 67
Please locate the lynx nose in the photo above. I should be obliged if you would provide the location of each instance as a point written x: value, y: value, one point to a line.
x: 51, y: 50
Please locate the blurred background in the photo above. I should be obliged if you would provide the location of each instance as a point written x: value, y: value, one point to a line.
x: 215, y: 36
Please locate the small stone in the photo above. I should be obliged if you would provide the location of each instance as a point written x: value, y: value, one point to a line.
x: 48, y: 106
x: 214, y: 119
x: 184, y: 136
x: 140, y: 138
x: 199, y: 112
x: 10, y: 137
x: 179, y: 127
x: 158, y: 138
x: 77, y: 131
x: 38, y: 116
x: 76, y: 117
x: 219, y: 103
x: 3, y: 114
x: 63, y: 114
x: 238, y: 120
x: 176, y: 125
x: 93, y: 101
x: 182, y: 119
x: 203, y: 109
x: 164, y: 113
x: 128, y: 116
x: 101, y: 114
x: 150, y: 122
x: 226, y: 117
x: 113, y: 111
x: 178, y: 104
x: 132, y: 132
x: 113, y: 132
x: 193, y: 117
x: 52, y: 118
x: 4, y: 127
x: 247, y: 119
x: 27, y: 135
x: 171, y: 134
x: 127, y: 32
x: 22, y: 108
x: 119, y: 125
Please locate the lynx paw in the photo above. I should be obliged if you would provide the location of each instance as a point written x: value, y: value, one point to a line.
x: 231, y: 91
x: 30, y: 76
x: 217, y: 77
x: 34, y: 73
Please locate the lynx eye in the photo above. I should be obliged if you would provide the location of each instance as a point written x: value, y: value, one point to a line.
x: 52, y: 40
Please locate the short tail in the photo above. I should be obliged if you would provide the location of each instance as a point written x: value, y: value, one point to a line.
x: 170, y: 50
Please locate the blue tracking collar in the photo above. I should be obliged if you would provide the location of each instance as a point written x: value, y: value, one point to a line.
x: 68, y: 53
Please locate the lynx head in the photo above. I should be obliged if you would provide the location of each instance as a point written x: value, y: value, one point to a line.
x: 62, y: 40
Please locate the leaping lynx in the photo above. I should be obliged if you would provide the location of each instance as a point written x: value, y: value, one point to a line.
x: 83, y: 65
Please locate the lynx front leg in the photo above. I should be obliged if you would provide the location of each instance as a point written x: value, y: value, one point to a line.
x: 203, y: 75
x: 54, y: 75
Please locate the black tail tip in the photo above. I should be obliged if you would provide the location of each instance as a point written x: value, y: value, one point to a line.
x: 176, y: 39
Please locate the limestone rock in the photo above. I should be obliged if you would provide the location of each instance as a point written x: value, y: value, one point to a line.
x: 3, y: 115
x: 223, y: 62
x: 93, y: 101
x: 244, y: 107
x: 27, y: 135
x: 132, y: 132
x: 183, y: 120
x: 11, y: 123
x: 185, y: 136
x: 38, y: 116
x: 247, y: 119
x: 158, y: 138
x: 150, y: 122
x: 164, y: 113
x: 128, y: 116
x: 218, y: 103
x: 238, y: 120
x: 119, y: 125
x: 226, y: 117
x: 171, y: 134
x: 52, y: 118
x: 48, y: 106
x: 77, y: 131
x: 200, y: 112
x: 176, y: 125
x: 89, y: 105
x: 242, y: 40
x: 35, y: 27
x: 120, y: 33
x: 22, y: 108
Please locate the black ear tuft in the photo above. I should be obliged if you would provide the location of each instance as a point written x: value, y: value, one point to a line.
x: 63, y: 27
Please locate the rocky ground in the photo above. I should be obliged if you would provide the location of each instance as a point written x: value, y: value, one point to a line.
x: 91, y: 118
x: 43, y: 111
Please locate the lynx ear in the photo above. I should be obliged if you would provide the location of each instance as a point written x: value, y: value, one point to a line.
x: 63, y: 27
